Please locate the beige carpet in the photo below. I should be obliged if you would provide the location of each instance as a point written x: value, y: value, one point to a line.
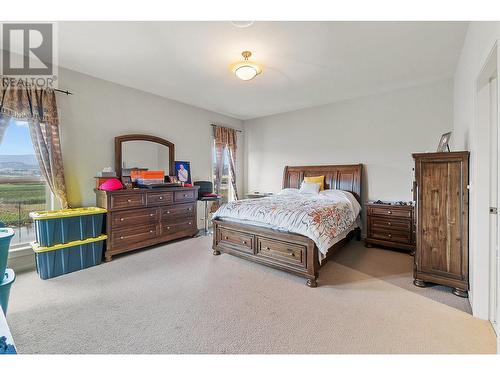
x: 179, y: 298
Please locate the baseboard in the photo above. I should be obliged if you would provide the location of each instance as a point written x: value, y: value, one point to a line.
x: 21, y: 259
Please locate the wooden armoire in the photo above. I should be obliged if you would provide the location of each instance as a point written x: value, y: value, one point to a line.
x: 442, y: 220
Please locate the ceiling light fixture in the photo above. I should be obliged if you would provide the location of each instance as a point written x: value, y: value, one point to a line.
x: 245, y: 69
x: 242, y: 24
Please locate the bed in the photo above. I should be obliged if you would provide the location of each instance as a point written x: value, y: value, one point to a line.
x: 252, y: 230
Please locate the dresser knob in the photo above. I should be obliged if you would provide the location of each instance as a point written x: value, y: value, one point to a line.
x: 389, y: 212
x: 129, y: 200
x: 389, y: 235
x: 161, y: 198
x: 190, y: 209
x: 151, y: 231
x: 151, y: 215
x: 168, y: 228
x: 121, y: 237
x: 226, y: 237
x: 389, y: 223
x: 190, y: 223
x: 291, y: 254
x: 168, y: 212
x: 268, y: 248
x: 121, y: 219
x: 185, y: 195
x: 244, y: 242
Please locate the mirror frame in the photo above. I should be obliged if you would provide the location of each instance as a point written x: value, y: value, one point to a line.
x: 142, y: 137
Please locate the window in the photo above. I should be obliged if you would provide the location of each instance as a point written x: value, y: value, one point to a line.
x: 22, y: 188
x: 226, y: 187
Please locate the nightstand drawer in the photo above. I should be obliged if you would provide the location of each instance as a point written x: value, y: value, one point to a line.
x: 390, y: 212
x: 382, y: 223
x: 392, y: 235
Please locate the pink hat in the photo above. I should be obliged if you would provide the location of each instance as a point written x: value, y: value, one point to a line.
x: 111, y: 184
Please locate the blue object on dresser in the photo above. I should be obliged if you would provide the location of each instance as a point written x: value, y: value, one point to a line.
x: 5, y: 284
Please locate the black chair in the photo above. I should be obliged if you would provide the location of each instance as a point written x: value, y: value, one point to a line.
x: 206, y: 187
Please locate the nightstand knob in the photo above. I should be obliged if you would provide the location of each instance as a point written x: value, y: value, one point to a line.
x: 226, y: 237
x: 389, y: 223
x: 121, y: 219
x: 151, y: 231
x: 129, y: 200
x: 161, y: 198
x: 121, y: 237
x: 244, y: 242
x: 151, y: 215
x: 389, y: 212
x: 389, y: 235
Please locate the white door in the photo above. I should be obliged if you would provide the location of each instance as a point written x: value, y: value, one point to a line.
x: 494, y: 185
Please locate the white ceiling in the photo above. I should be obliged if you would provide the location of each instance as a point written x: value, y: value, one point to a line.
x: 305, y: 63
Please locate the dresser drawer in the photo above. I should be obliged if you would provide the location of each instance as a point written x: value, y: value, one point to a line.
x: 236, y: 240
x: 283, y: 252
x: 134, y: 217
x: 184, y: 195
x: 160, y: 198
x: 390, y: 212
x: 128, y: 201
x: 392, y: 235
x: 126, y: 237
x: 382, y: 223
x: 178, y: 226
x: 179, y: 211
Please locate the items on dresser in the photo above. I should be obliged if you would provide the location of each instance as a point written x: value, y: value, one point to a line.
x: 442, y: 211
x: 390, y: 225
x: 142, y: 217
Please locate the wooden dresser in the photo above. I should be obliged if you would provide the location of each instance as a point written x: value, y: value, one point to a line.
x: 391, y: 226
x: 138, y: 218
x: 442, y: 196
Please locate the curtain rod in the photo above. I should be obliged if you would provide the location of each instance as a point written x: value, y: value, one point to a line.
x: 239, y: 131
x: 64, y: 92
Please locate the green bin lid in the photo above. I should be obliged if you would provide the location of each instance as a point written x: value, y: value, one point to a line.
x: 6, y: 232
x: 9, y: 277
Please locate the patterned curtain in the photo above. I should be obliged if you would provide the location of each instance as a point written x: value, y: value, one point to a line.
x: 39, y: 108
x: 225, y: 138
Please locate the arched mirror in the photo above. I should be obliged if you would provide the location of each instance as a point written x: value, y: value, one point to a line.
x: 144, y: 152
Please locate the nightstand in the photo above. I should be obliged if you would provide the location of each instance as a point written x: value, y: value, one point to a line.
x: 391, y: 226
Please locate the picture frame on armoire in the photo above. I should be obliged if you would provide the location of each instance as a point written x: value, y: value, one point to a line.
x: 443, y: 143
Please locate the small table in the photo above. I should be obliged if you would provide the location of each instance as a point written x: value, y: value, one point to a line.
x: 390, y: 225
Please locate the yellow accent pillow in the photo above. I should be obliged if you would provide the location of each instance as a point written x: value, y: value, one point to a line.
x: 316, y: 180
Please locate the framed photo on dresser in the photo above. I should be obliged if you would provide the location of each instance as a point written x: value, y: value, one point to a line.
x: 183, y: 172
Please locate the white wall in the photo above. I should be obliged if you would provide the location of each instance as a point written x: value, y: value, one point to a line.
x: 380, y: 131
x: 101, y: 110
x: 479, y: 42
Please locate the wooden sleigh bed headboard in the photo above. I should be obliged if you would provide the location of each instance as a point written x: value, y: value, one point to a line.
x: 343, y: 177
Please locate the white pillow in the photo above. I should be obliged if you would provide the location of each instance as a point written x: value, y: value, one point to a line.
x: 309, y: 188
x: 288, y: 191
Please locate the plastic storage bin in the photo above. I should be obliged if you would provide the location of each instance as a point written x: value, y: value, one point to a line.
x: 64, y: 226
x: 61, y: 259
x: 8, y: 278
x: 6, y: 235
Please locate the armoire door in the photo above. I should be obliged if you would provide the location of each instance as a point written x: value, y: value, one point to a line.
x: 441, y: 189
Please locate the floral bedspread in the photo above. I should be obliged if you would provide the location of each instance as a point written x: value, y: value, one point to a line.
x: 321, y: 217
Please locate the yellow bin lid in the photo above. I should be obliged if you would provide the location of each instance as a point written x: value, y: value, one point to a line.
x: 43, y: 249
x: 60, y: 214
